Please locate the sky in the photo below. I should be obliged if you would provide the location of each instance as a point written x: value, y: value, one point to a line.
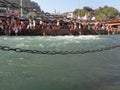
x: 61, y: 6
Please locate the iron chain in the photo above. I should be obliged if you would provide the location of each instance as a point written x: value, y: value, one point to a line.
x: 7, y: 48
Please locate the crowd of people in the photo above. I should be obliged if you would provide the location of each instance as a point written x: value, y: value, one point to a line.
x: 16, y: 26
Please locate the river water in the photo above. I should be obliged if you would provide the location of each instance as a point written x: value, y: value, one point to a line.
x: 90, y: 71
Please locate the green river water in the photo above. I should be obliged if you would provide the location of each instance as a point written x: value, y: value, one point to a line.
x: 90, y: 71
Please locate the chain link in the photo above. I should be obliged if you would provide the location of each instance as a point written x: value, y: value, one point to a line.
x: 7, y: 48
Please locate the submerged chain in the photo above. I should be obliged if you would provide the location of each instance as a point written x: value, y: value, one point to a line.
x: 7, y: 48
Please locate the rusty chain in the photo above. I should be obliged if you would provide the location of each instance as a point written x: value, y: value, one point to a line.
x: 7, y: 48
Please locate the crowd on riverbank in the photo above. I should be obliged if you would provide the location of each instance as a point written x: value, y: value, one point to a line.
x: 17, y: 26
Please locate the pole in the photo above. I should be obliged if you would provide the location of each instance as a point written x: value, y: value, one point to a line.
x: 78, y: 9
x: 21, y: 4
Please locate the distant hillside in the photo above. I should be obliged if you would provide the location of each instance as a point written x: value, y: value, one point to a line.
x: 27, y: 3
x: 101, y: 13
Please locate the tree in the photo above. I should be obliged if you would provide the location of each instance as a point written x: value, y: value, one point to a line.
x: 88, y: 9
x: 106, y: 13
x: 102, y: 13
